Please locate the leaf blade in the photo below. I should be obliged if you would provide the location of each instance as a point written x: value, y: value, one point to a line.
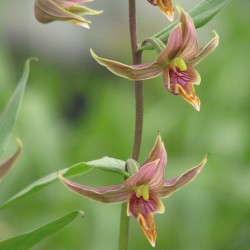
x: 105, y: 163
x: 27, y: 240
x: 11, y: 111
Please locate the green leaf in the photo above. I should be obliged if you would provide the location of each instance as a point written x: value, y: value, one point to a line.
x: 201, y: 15
x: 105, y: 163
x: 10, y: 113
x: 29, y: 239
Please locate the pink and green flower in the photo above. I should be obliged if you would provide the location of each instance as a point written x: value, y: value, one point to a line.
x: 175, y: 62
x: 47, y: 11
x: 143, y: 190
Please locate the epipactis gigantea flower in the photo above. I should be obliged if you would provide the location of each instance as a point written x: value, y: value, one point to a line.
x: 143, y: 190
x: 176, y: 61
x: 165, y: 7
x: 47, y: 11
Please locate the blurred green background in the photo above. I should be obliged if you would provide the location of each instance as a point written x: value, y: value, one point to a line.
x: 74, y: 110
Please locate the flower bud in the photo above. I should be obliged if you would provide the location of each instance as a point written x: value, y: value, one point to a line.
x: 132, y: 166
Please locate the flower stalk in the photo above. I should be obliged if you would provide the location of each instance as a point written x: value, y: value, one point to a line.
x: 137, y: 59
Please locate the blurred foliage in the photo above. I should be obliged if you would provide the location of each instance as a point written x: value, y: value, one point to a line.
x: 71, y: 113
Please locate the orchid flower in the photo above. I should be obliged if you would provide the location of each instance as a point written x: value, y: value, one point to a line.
x: 176, y: 61
x: 143, y: 190
x: 165, y: 7
x: 47, y: 11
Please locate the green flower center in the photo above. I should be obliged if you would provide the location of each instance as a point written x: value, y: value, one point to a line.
x: 143, y: 191
x: 179, y: 63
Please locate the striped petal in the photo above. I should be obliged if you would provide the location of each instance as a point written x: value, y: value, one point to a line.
x: 166, y: 8
x: 47, y: 11
x: 152, y: 171
x: 147, y: 224
x: 181, y: 82
x: 158, y: 152
x: 137, y: 205
x: 204, y: 51
x: 166, y: 80
x: 69, y: 3
x: 173, y: 45
x: 172, y: 185
x: 135, y: 72
x: 109, y: 194
x: 182, y: 77
x: 190, y: 46
x: 143, y: 210
x: 188, y: 94
x: 144, y: 175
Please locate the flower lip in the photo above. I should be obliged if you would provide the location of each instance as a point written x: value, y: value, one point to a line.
x: 165, y: 7
x: 148, y: 227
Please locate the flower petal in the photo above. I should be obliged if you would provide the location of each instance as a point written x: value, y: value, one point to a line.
x: 180, y: 77
x: 6, y: 165
x: 171, y: 186
x: 69, y: 3
x: 188, y: 94
x: 152, y: 171
x: 109, y: 194
x: 47, y: 11
x: 190, y: 46
x: 181, y: 82
x: 205, y: 50
x: 173, y: 45
x: 144, y: 175
x: 148, y: 227
x: 166, y: 80
x: 166, y: 8
x: 143, y: 210
x: 158, y: 152
x: 135, y: 72
x: 138, y: 205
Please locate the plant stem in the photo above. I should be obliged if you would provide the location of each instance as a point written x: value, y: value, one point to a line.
x: 137, y: 58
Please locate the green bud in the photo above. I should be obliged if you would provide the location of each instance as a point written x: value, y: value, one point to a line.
x: 132, y: 166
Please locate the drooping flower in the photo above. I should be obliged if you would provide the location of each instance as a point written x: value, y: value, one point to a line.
x: 47, y: 11
x: 143, y: 190
x: 176, y: 61
x: 165, y: 7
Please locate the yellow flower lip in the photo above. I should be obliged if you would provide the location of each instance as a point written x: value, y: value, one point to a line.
x: 179, y: 63
x: 143, y: 191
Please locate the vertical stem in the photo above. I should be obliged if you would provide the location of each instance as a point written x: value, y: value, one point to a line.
x: 137, y: 58
x: 124, y: 225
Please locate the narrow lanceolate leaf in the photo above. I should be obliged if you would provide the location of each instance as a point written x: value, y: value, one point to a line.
x: 201, y: 15
x: 6, y: 165
x: 29, y: 239
x: 105, y: 163
x: 10, y: 113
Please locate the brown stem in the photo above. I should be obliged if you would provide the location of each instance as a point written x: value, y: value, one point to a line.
x: 137, y: 58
